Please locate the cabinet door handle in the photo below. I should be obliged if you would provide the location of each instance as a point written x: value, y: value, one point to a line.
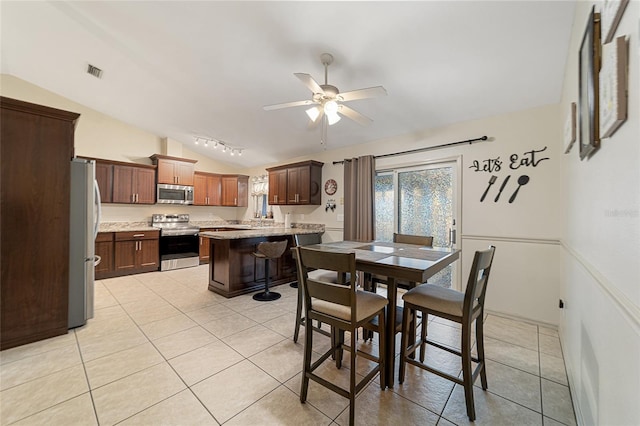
x: 200, y: 240
x: 235, y: 201
x: 136, y: 198
x: 138, y: 235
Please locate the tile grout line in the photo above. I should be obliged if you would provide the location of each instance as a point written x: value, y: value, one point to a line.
x: 170, y: 366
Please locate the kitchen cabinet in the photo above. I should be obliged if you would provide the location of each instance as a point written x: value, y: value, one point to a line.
x: 278, y: 187
x: 296, y: 184
x: 207, y: 189
x: 174, y: 170
x: 137, y: 252
x: 204, y: 246
x: 235, y: 190
x: 104, y: 249
x: 104, y: 177
x: 134, y: 184
x: 36, y: 151
x: 234, y: 270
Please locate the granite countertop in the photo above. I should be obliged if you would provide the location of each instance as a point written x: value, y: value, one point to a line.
x: 261, y: 232
x: 236, y: 230
x: 126, y: 227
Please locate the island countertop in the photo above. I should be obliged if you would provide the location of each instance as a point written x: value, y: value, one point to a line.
x: 271, y: 231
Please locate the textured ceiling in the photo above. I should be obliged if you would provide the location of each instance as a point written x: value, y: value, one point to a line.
x: 186, y: 69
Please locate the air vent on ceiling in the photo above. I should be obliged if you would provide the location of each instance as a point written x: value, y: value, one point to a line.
x: 94, y: 71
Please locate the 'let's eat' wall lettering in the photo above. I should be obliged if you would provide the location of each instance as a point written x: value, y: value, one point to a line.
x: 528, y: 159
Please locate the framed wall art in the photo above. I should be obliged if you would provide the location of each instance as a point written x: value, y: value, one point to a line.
x: 589, y: 64
x: 612, y: 11
x: 613, y: 86
x: 570, y: 129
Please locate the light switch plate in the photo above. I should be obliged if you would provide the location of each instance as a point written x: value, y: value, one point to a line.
x: 340, y: 218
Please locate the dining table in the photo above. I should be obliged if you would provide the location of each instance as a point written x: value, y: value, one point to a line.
x: 397, y: 262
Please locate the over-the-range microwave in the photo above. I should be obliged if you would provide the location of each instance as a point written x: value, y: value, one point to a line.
x: 174, y: 194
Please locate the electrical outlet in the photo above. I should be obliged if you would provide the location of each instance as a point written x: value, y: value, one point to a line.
x: 342, y: 201
x: 340, y: 218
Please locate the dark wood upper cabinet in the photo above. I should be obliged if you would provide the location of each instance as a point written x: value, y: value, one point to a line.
x: 36, y: 147
x: 104, y: 176
x: 296, y: 184
x: 207, y: 189
x: 174, y: 170
x: 278, y: 187
x: 235, y: 190
x: 134, y: 184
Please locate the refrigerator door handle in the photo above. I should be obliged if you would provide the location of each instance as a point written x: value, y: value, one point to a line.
x: 96, y: 226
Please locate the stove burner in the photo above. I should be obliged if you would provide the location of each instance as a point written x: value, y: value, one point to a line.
x: 174, y: 224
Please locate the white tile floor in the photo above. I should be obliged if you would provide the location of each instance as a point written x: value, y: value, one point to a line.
x: 162, y: 349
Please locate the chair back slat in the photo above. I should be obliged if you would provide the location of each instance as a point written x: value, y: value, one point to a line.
x: 307, y: 239
x: 413, y: 239
x: 478, y: 279
x: 330, y: 292
x: 308, y: 259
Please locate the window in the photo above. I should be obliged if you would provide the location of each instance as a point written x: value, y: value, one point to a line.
x: 418, y: 201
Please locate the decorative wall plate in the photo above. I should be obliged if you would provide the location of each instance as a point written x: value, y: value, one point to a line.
x: 330, y: 187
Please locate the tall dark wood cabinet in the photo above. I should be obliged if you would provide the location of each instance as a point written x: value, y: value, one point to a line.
x: 36, y: 150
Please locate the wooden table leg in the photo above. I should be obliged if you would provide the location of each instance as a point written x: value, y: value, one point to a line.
x: 391, y: 332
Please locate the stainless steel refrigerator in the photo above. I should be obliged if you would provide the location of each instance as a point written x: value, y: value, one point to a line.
x: 85, y: 220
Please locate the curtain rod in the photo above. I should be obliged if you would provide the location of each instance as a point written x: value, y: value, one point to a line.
x: 429, y: 148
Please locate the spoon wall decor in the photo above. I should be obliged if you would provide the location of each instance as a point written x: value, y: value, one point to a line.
x: 522, y: 180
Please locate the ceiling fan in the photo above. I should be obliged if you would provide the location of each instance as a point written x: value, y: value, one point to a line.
x: 327, y: 100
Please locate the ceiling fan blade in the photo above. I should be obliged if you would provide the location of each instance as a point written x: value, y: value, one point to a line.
x: 369, y: 92
x: 287, y: 105
x: 354, y: 115
x: 308, y: 81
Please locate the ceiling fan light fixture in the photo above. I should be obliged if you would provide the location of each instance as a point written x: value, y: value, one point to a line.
x: 331, y: 107
x: 333, y: 118
x: 313, y: 113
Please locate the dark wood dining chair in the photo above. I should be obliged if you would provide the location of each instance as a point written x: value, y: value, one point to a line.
x: 344, y: 308
x: 300, y: 240
x: 463, y: 308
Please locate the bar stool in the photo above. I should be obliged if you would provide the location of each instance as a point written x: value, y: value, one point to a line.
x: 269, y: 250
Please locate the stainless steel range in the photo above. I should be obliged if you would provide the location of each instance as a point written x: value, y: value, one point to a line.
x: 178, y: 241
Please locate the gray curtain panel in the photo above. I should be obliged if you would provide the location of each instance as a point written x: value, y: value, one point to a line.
x: 359, y: 193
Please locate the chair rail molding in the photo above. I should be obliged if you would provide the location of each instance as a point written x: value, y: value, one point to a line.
x: 630, y: 311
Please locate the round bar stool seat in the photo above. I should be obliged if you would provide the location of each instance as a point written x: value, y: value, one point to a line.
x: 269, y: 250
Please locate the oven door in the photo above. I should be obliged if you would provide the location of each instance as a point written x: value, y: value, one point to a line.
x: 179, y: 251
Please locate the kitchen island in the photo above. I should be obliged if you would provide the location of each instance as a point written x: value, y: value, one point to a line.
x: 233, y: 270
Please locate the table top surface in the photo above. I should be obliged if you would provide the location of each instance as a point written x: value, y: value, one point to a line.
x: 397, y: 254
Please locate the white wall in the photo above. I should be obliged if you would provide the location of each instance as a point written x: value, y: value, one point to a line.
x: 600, y: 327
x: 526, y: 278
x: 100, y: 136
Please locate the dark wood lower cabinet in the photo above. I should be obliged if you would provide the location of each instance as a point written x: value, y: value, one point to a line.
x: 127, y: 253
x: 233, y: 270
x: 204, y: 250
x: 104, y: 249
